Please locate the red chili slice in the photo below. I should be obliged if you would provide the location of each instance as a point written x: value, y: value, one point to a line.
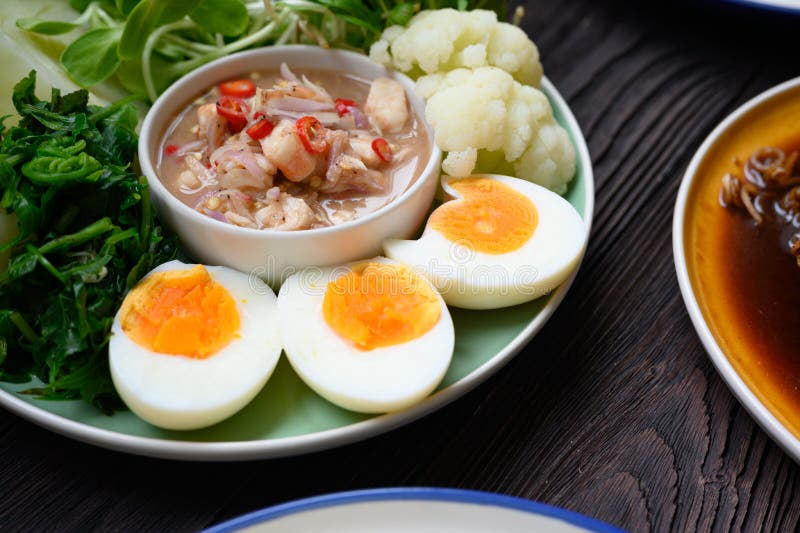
x: 382, y: 148
x: 238, y: 88
x: 312, y: 134
x: 343, y: 105
x: 260, y: 129
x: 234, y: 111
x: 258, y: 114
x: 170, y: 149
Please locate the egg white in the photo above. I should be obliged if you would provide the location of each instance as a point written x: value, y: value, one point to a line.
x: 380, y: 380
x: 475, y: 280
x: 179, y: 392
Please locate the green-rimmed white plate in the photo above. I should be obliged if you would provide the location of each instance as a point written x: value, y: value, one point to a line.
x: 288, y: 418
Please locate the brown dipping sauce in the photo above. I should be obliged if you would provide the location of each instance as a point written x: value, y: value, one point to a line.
x: 744, y: 276
x: 765, y: 278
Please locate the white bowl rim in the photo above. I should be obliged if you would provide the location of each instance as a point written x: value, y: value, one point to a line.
x: 147, y: 137
x: 774, y: 428
x: 331, y: 438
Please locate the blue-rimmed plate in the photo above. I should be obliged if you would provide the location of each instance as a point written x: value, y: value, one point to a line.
x: 781, y: 6
x: 419, y: 510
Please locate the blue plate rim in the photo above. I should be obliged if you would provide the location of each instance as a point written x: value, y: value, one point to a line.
x: 412, y: 493
x: 766, y: 6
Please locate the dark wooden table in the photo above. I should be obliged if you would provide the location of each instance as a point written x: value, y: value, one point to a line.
x: 614, y: 410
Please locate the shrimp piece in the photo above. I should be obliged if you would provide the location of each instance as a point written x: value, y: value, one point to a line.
x: 386, y: 105
x: 239, y: 169
x: 188, y: 180
x: 284, y: 149
x: 338, y: 142
x: 203, y: 175
x: 239, y: 220
x: 212, y: 127
x: 300, y: 91
x: 262, y: 98
x: 240, y: 178
x: 287, y: 213
x: 348, y: 173
x: 361, y: 145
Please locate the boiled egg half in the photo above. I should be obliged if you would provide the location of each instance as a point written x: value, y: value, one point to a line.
x: 498, y: 241
x: 371, y: 337
x: 192, y: 344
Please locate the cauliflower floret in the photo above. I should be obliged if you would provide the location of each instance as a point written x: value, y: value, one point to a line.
x: 460, y: 164
x: 551, y: 161
x: 427, y: 86
x: 489, y: 122
x: 479, y: 77
x: 469, y: 109
x: 510, y: 49
x: 445, y: 39
x: 379, y: 51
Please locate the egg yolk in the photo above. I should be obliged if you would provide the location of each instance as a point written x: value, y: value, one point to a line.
x: 377, y: 305
x: 491, y: 217
x: 181, y: 312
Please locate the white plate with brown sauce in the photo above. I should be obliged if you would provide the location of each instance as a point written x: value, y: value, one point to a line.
x: 736, y: 233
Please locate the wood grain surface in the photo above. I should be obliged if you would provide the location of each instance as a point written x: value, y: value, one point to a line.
x: 614, y: 410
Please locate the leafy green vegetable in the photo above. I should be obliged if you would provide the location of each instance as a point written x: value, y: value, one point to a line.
x: 125, y: 6
x: 132, y: 79
x: 93, y: 56
x: 144, y: 19
x: 79, y: 5
x: 355, y: 12
x: 45, y: 27
x: 87, y: 234
x: 173, y: 10
x: 141, y: 22
x: 227, y: 17
x: 401, y: 14
x: 53, y: 171
x: 151, y: 43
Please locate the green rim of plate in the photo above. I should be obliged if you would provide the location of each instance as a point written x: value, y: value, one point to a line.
x: 287, y: 417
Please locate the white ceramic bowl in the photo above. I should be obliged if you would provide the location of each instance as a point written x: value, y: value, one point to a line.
x: 274, y: 255
x: 759, y: 411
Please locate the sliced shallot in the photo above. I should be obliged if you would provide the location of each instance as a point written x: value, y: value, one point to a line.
x: 316, y: 88
x: 302, y: 105
x: 248, y: 161
x: 219, y: 154
x: 326, y: 118
x: 287, y: 74
x: 203, y: 174
x: 193, y: 146
x: 216, y: 215
x: 359, y: 117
